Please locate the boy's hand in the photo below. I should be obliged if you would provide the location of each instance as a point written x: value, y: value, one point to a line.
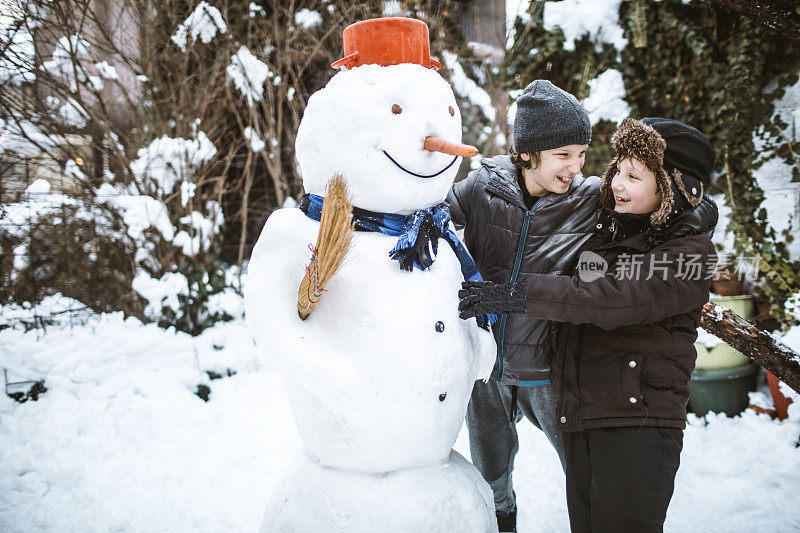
x: 488, y: 298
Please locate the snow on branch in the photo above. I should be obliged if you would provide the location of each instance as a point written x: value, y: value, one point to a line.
x: 606, y: 100
x: 248, y: 74
x: 204, y: 22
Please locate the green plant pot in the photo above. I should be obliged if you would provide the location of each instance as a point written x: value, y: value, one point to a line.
x: 722, y: 391
x: 723, y: 356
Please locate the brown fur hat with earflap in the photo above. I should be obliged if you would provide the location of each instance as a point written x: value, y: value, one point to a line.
x: 635, y: 139
x: 679, y: 156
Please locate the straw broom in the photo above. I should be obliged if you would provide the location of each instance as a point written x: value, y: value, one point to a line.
x: 333, y: 242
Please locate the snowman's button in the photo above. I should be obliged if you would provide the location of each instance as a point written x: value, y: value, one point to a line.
x: 440, y: 326
x: 442, y: 396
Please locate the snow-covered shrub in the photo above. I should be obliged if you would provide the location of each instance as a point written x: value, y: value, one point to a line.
x: 53, y: 244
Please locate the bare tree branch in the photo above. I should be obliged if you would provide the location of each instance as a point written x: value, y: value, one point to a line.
x: 753, y: 342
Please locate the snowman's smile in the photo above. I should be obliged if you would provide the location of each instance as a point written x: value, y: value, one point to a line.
x: 414, y: 173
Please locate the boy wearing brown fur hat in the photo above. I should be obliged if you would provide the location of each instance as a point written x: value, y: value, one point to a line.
x: 624, y: 334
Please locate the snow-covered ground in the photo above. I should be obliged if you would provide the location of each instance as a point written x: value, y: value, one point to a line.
x: 120, y: 442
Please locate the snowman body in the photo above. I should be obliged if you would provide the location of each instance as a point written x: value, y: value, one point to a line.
x: 380, y: 374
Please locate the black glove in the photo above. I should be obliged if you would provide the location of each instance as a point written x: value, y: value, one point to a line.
x: 488, y: 298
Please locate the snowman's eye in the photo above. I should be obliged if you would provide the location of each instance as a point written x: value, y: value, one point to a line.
x: 396, y: 109
x: 452, y: 111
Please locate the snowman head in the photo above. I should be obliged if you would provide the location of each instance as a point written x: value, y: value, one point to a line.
x: 370, y: 122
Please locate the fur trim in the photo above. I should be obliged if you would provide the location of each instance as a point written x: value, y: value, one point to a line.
x: 635, y: 139
x: 660, y: 215
x: 693, y: 200
x: 606, y: 196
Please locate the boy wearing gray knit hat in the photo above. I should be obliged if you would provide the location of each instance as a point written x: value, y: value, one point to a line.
x: 526, y: 212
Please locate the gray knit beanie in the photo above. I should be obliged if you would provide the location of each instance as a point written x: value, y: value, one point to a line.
x: 549, y: 117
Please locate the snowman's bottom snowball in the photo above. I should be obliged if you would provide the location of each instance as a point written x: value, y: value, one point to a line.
x: 443, y: 498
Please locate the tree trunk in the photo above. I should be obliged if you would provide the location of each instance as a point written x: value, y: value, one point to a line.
x: 781, y: 16
x: 756, y: 344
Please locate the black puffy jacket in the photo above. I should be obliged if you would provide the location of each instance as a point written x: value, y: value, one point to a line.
x: 508, y: 241
x: 625, y: 349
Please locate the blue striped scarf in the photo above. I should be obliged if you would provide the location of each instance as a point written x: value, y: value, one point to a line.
x: 418, y: 233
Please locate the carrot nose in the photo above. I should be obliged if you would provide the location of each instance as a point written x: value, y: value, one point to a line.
x: 435, y: 144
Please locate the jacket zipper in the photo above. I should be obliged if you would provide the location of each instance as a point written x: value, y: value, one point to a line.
x: 523, y: 236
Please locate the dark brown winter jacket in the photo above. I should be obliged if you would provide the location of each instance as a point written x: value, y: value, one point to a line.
x: 625, y: 348
x: 508, y: 241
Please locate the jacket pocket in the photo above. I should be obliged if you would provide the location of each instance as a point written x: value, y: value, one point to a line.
x: 630, y: 380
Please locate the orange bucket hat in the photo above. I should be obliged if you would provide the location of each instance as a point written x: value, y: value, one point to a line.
x: 387, y: 41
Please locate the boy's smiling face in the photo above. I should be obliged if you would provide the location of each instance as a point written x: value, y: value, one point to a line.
x: 634, y: 187
x: 556, y: 169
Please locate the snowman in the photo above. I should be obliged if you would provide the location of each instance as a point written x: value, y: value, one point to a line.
x: 379, y: 375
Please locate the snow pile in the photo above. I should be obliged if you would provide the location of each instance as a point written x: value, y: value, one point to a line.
x: 120, y: 430
x: 606, y: 100
x: 111, y: 430
x: 204, y: 22
x: 248, y: 74
x: 307, y: 18
x: 577, y: 18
